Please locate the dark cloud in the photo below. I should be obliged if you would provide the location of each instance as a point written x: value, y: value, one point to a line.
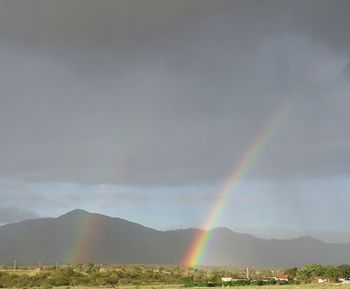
x: 170, y: 92
x: 12, y: 214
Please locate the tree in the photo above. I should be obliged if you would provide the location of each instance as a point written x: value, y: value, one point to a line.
x: 310, y: 272
x: 291, y: 272
x: 331, y: 274
x: 344, y: 271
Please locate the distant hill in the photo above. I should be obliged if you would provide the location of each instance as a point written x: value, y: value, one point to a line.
x: 83, y: 237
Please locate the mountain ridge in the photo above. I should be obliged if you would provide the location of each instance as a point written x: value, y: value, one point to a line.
x: 102, y: 239
x: 80, y: 212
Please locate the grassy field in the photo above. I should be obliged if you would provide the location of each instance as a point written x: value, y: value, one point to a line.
x: 19, y: 272
x: 179, y: 286
x: 303, y: 286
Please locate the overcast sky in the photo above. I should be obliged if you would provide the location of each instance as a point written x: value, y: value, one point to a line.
x: 140, y: 109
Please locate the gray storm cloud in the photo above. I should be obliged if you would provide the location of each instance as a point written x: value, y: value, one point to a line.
x: 15, y: 214
x: 171, y: 92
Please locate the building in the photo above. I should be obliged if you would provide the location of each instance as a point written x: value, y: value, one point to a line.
x: 226, y: 279
x: 281, y: 278
x: 321, y: 280
x: 104, y: 270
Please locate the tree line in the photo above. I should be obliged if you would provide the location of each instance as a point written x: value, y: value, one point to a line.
x: 313, y: 272
x: 113, y: 276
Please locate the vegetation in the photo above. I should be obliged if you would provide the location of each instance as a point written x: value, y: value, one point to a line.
x: 310, y: 273
x: 235, y: 283
x: 91, y: 275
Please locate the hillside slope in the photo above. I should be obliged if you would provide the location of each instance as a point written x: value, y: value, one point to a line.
x: 83, y: 237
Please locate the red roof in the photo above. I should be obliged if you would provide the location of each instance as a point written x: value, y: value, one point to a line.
x: 282, y: 277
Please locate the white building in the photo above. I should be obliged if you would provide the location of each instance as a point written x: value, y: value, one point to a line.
x: 226, y: 279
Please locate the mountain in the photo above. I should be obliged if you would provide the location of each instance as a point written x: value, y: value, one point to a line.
x: 82, y: 237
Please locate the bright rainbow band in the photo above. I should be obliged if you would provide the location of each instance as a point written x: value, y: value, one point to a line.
x: 198, y: 247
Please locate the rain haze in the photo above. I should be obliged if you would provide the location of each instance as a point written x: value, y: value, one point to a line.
x: 142, y: 109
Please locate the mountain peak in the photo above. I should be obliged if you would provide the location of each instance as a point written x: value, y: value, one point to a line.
x: 115, y: 240
x: 74, y: 213
x: 222, y: 229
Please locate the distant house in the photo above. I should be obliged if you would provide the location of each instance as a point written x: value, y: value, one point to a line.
x: 226, y: 279
x: 166, y: 272
x: 282, y: 278
x: 321, y: 280
x: 103, y: 270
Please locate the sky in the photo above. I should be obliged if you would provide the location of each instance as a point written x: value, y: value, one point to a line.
x: 140, y: 110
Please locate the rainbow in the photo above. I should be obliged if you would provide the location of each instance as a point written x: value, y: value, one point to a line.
x: 83, y: 239
x: 199, y: 244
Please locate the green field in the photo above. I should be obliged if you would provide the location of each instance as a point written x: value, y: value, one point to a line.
x: 18, y: 272
x: 303, y: 286
x: 82, y: 276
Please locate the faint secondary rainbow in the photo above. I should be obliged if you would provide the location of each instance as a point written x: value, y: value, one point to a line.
x: 199, y: 244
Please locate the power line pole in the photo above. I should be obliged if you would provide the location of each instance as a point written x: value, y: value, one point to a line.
x: 14, y: 265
